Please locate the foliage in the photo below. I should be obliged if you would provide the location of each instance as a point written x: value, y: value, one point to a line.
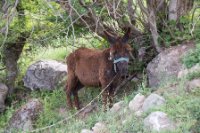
x: 174, y: 35
x: 4, y: 117
x: 192, y: 58
x: 193, y: 75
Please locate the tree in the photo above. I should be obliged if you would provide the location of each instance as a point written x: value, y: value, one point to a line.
x: 12, y: 48
x: 142, y: 16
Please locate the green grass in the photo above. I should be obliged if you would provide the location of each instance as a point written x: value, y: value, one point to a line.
x: 183, y: 108
x: 5, y: 116
x: 51, y: 53
x: 193, y: 75
x: 192, y: 58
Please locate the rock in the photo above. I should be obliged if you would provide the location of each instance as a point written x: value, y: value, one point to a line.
x: 100, y: 128
x: 45, y: 74
x: 152, y: 101
x: 137, y: 102
x: 3, y: 94
x: 139, y: 113
x: 158, y: 121
x: 167, y: 64
x: 23, y: 119
x: 117, y: 107
x: 185, y: 72
x: 195, y: 83
x: 88, y: 110
x: 86, y: 131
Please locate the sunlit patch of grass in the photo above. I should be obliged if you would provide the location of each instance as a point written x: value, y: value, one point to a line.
x: 51, y: 53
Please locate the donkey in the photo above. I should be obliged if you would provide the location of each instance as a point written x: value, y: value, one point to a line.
x: 90, y: 67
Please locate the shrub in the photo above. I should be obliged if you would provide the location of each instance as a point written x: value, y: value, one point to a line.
x: 192, y: 58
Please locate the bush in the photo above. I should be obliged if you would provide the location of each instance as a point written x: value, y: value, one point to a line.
x: 192, y: 58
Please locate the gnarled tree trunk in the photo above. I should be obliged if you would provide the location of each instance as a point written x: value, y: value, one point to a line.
x: 13, y: 50
x: 178, y: 8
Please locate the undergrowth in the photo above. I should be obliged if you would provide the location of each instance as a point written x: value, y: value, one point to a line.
x: 183, y: 108
x: 193, y: 57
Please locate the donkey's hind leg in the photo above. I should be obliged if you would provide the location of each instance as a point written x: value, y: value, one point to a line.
x: 70, y: 87
x: 75, y: 94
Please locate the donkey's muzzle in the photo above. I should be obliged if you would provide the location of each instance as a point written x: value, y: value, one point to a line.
x: 122, y: 65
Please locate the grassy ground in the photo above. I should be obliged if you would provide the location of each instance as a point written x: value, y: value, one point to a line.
x: 182, y: 107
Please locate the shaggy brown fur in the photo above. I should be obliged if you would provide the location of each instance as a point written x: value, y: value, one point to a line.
x: 90, y: 67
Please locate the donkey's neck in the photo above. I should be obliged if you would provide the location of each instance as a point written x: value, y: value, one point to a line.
x: 106, y: 55
x: 109, y: 65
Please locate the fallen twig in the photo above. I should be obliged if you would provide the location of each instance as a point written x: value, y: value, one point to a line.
x: 124, y: 82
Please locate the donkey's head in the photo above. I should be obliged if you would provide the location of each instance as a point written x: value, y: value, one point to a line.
x: 119, y: 52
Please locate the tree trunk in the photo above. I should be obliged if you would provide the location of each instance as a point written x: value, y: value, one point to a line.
x: 173, y: 10
x: 150, y: 12
x: 178, y: 8
x: 12, y: 51
x: 154, y: 31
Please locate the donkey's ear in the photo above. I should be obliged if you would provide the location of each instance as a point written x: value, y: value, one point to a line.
x: 126, y: 35
x: 110, y: 38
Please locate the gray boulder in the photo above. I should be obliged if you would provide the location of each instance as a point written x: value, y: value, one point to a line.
x: 167, y: 64
x: 158, y: 121
x: 135, y: 105
x: 100, y: 128
x: 137, y: 102
x: 152, y: 101
x: 117, y: 107
x: 3, y: 94
x: 86, y: 131
x: 45, y: 74
x: 23, y: 119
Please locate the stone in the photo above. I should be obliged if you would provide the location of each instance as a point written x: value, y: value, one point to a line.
x: 117, y: 107
x: 167, y: 64
x: 88, y: 110
x: 158, y: 121
x: 3, y: 94
x: 23, y: 119
x: 137, y: 102
x: 195, y: 83
x: 45, y: 74
x: 100, y: 128
x: 139, y: 113
x: 86, y: 131
x: 152, y: 101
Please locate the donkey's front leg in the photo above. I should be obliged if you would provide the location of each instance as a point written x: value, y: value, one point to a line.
x: 111, y: 96
x: 104, y: 99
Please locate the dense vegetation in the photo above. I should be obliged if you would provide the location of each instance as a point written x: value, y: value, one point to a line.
x: 40, y: 29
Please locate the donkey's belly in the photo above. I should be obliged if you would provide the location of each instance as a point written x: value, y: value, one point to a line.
x: 88, y: 80
x: 88, y: 77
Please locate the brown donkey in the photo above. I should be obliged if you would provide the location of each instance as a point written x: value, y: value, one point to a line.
x: 89, y: 67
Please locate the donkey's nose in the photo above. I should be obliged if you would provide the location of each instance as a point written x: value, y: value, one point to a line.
x: 124, y: 71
